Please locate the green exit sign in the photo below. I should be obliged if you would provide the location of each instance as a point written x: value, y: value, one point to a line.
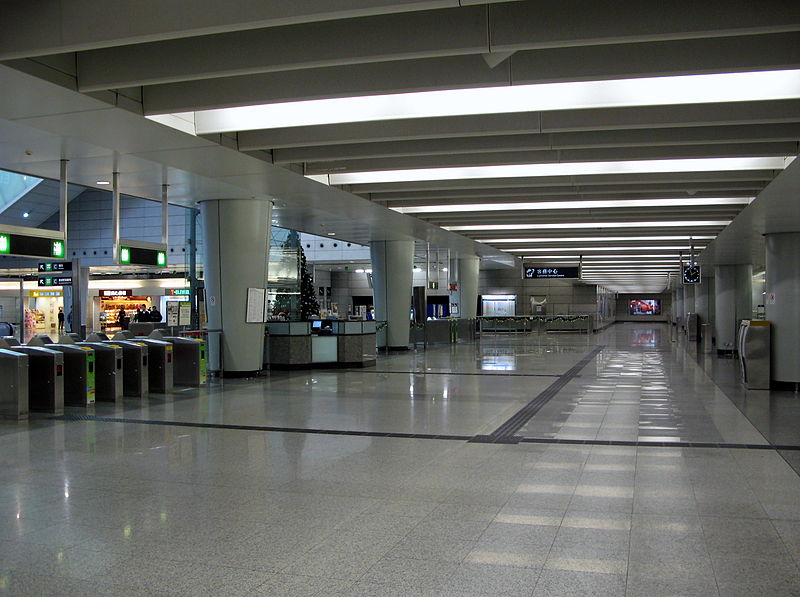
x: 32, y: 246
x: 57, y: 249
x: 140, y: 256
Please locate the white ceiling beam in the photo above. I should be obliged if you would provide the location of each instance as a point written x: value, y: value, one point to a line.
x: 538, y: 142
x: 644, y: 117
x: 781, y: 148
x: 40, y: 27
x: 330, y: 43
x: 756, y: 52
x: 694, y: 180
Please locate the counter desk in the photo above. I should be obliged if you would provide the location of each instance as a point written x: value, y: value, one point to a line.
x: 292, y: 345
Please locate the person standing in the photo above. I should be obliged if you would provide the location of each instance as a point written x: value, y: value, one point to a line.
x: 61, y: 320
x: 155, y: 314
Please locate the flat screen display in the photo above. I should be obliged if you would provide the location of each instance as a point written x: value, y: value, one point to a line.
x: 645, y: 307
x: 316, y: 324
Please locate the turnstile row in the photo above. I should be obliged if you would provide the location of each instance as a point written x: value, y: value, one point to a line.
x: 78, y: 373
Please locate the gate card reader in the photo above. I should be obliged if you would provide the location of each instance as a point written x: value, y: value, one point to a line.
x: 109, y: 376
x: 45, y: 377
x: 160, y: 369
x: 189, y: 365
x: 108, y: 368
x: 79, y: 372
x: 135, y: 367
x: 14, y: 381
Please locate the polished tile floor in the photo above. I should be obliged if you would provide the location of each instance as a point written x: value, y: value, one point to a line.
x: 97, y: 507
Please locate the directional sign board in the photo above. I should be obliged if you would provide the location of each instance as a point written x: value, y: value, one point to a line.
x: 55, y: 266
x: 31, y: 246
x: 536, y: 272
x: 55, y: 281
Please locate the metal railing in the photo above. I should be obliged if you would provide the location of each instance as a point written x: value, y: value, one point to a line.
x: 526, y: 324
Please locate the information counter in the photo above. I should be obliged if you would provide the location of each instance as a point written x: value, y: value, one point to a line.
x: 292, y: 345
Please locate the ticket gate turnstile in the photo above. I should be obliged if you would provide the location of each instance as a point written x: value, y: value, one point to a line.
x: 189, y: 364
x: 109, y: 375
x: 79, y: 371
x: 135, y: 367
x: 160, y: 356
x: 45, y: 377
x: 14, y: 381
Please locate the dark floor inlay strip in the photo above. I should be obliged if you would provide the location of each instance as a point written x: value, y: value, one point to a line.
x: 646, y: 444
x: 261, y: 428
x: 487, y: 373
x: 506, y: 433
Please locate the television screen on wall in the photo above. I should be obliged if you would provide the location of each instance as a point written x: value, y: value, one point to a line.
x: 645, y: 307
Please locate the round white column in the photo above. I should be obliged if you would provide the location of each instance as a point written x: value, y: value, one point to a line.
x: 236, y: 256
x: 392, y: 276
x: 468, y: 271
x: 678, y: 313
x: 688, y: 299
x: 701, y: 301
x: 733, y: 301
x: 783, y: 281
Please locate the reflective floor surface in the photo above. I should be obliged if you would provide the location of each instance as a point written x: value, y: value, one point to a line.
x: 96, y: 507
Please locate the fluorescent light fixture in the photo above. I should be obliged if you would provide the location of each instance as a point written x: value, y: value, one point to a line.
x: 561, y: 169
x: 597, y: 225
x: 331, y: 234
x: 645, y: 91
x: 620, y: 256
x: 589, y: 249
x: 548, y: 205
x: 591, y: 239
x: 667, y: 261
x: 102, y: 182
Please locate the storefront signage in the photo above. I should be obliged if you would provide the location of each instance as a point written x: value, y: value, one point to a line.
x: 55, y: 281
x: 115, y: 293
x: 45, y: 293
x: 539, y: 272
x: 57, y: 266
x: 179, y: 292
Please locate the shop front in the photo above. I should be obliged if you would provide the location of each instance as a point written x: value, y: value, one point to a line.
x: 41, y: 314
x: 110, y: 305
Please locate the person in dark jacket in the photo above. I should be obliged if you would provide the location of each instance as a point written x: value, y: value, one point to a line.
x: 155, y: 314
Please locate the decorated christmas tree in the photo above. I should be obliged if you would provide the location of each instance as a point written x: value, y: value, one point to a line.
x: 308, y: 299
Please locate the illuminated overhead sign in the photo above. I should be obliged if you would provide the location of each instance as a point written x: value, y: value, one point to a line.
x: 540, y: 272
x: 140, y: 256
x: 31, y: 246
